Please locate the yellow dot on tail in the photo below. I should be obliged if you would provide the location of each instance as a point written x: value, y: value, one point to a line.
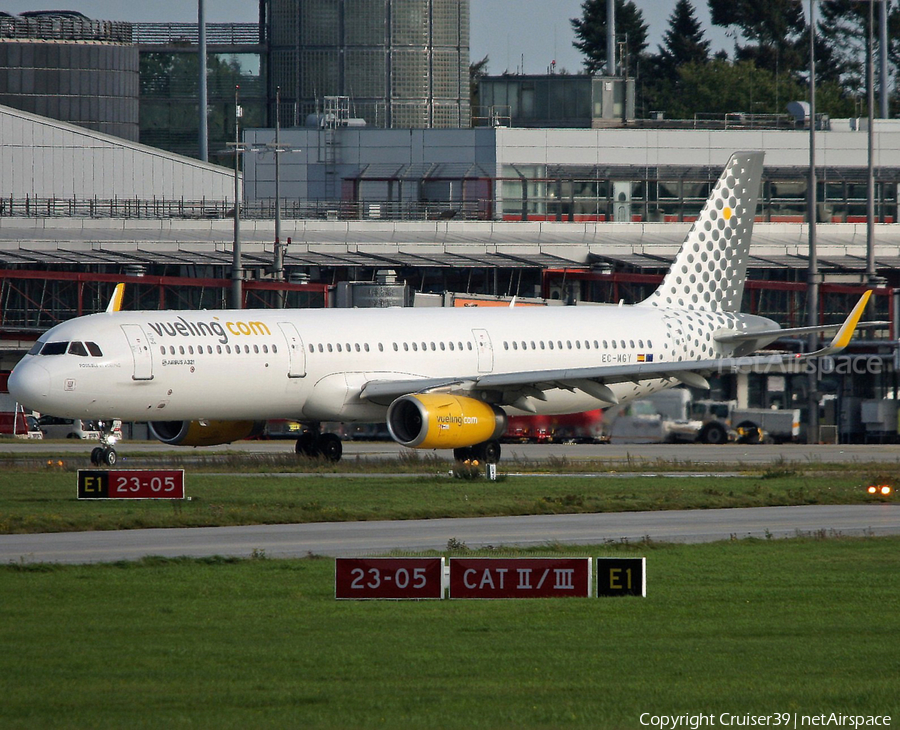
x: 727, y: 213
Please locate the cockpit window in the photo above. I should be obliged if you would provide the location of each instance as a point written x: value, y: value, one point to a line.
x: 36, y: 348
x: 55, y: 348
x: 78, y: 348
x: 94, y: 349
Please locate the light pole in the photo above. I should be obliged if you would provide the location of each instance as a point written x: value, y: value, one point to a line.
x: 812, y: 402
x: 203, y: 94
x: 279, y: 249
x: 237, y: 272
x: 870, y: 179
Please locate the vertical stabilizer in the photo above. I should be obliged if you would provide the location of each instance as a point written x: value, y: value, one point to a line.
x: 709, y: 271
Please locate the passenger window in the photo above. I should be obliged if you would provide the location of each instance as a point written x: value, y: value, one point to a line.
x: 274, y: 348
x: 524, y: 345
x: 533, y: 346
x: 631, y: 343
x: 171, y: 349
x: 613, y: 344
x: 451, y: 346
x: 94, y: 349
x: 405, y: 347
x: 321, y: 349
x: 424, y: 346
x: 469, y: 345
x: 366, y: 346
x: 551, y: 344
x: 228, y: 349
x: 209, y: 349
x: 256, y: 349
x: 181, y: 349
x: 247, y: 349
x: 577, y: 344
x: 330, y: 348
x: 415, y: 347
x: 218, y: 349
x: 515, y: 345
x: 622, y: 342
x: 78, y: 348
x: 380, y: 347
x: 433, y: 348
x: 569, y: 344
x: 542, y: 345
x: 190, y: 349
x: 357, y: 347
x: 641, y: 344
x: 349, y: 349
x: 443, y: 346
x: 162, y: 350
x: 339, y: 347
x: 312, y: 348
x: 649, y: 344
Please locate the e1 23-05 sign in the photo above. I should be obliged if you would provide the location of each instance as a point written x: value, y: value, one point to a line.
x: 131, y: 484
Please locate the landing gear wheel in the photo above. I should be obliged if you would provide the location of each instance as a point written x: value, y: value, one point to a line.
x: 96, y: 456
x: 108, y: 456
x: 487, y: 452
x: 306, y: 444
x: 463, y: 454
x: 329, y: 447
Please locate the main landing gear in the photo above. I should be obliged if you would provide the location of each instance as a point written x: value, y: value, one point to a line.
x: 487, y: 452
x: 314, y: 444
x: 105, y: 454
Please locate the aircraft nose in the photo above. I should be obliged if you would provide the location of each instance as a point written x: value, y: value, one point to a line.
x: 29, y: 384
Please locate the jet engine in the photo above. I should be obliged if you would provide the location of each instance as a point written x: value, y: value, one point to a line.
x: 442, y: 421
x: 204, y: 433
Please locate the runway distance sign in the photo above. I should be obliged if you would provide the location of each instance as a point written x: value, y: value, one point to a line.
x: 131, y: 484
x: 389, y: 578
x: 621, y: 577
x: 520, y: 577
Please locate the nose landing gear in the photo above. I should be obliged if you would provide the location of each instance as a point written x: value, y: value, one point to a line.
x: 105, y: 454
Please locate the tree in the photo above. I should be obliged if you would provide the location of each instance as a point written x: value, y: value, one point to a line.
x: 844, y: 29
x: 590, y: 30
x: 684, y: 42
x: 476, y: 71
x: 772, y: 31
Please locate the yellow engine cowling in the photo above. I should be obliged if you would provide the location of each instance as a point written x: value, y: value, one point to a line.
x: 441, y: 421
x: 204, y: 433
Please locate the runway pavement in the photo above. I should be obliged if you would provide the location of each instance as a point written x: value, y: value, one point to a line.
x: 370, y: 538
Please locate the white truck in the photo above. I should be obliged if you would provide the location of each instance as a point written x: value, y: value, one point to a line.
x: 717, y: 422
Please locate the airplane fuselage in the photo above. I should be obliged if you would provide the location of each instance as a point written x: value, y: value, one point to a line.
x: 313, y: 364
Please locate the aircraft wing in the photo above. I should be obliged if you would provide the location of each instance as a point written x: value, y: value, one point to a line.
x: 594, y: 380
x: 516, y: 388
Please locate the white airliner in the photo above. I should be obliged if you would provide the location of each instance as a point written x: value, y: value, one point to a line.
x: 441, y: 378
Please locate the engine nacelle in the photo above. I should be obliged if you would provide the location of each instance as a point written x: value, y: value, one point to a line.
x: 441, y: 421
x: 205, y: 433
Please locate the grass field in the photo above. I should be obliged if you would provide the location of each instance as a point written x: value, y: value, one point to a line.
x: 758, y: 627
x: 43, y: 500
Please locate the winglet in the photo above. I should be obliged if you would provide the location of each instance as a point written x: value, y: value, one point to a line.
x: 845, y: 333
x: 115, y: 301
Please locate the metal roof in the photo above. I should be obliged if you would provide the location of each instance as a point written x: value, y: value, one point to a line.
x: 461, y: 244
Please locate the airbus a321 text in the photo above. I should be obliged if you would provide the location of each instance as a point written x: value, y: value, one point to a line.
x: 441, y: 378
